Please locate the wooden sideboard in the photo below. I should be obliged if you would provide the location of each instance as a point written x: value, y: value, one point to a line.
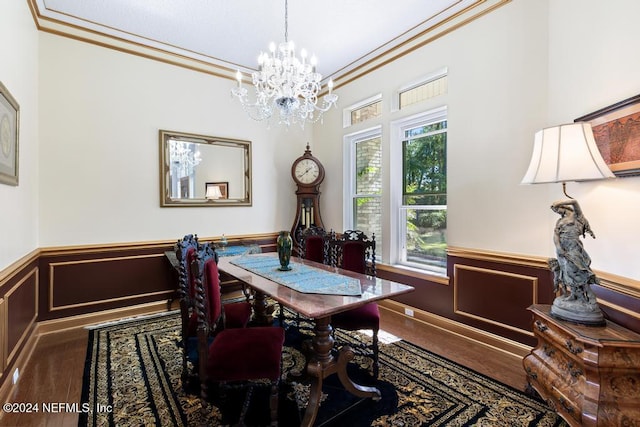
x: 589, y: 375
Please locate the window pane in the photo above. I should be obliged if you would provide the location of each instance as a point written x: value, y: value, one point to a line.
x: 367, y: 218
x: 425, y: 236
x: 424, y: 91
x: 366, y: 112
x: 368, y: 167
x: 425, y: 164
x: 367, y: 207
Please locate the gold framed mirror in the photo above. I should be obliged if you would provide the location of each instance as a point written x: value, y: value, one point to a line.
x: 200, y: 170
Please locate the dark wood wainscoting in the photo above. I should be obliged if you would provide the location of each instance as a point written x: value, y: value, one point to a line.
x: 77, y: 281
x: 18, y: 313
x: 619, y: 299
x: 80, y: 281
x: 490, y: 292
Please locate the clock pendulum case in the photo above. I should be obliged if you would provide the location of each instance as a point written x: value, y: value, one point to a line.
x: 308, y: 174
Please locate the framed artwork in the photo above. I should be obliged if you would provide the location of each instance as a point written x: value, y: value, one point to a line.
x: 616, y: 129
x: 216, y: 190
x: 9, y: 126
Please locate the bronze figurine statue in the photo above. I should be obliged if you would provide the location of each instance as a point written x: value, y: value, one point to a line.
x: 573, y: 277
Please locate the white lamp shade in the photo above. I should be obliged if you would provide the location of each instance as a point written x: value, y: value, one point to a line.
x: 213, y: 192
x: 566, y: 153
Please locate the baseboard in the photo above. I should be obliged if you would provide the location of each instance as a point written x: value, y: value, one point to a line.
x: 477, y: 336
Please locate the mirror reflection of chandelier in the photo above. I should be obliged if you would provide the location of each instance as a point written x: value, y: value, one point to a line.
x: 184, y: 156
x: 286, y: 84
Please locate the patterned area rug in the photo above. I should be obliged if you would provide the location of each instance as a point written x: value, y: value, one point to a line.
x: 133, y: 373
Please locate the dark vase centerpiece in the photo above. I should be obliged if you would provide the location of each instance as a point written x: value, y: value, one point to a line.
x: 284, y: 244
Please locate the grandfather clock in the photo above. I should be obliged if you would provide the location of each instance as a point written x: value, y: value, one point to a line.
x: 308, y: 174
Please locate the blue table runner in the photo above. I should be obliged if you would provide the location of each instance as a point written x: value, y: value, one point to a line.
x: 227, y: 251
x: 238, y: 250
x: 302, y: 278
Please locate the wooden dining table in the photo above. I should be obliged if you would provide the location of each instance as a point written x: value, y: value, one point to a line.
x: 319, y: 308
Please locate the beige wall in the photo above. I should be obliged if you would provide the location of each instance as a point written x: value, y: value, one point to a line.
x: 19, y: 73
x: 527, y: 65
x: 594, y: 61
x: 101, y: 112
x: 90, y: 118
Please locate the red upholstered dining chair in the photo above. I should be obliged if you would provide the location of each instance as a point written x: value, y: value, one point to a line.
x: 238, y: 314
x: 235, y: 355
x: 355, y: 251
x: 185, y: 253
x: 313, y: 243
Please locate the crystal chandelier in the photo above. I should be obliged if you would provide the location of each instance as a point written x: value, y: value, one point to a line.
x: 184, y: 156
x: 285, y: 84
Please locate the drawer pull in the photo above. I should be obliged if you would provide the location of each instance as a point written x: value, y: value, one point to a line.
x: 572, y: 349
x: 541, y: 326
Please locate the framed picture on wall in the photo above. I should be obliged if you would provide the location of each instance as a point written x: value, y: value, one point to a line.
x: 9, y: 127
x: 616, y: 129
x: 216, y: 190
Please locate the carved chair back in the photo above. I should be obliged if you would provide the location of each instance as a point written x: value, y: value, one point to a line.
x: 314, y: 244
x: 353, y: 251
x: 185, y: 250
x: 185, y: 253
x: 208, y: 298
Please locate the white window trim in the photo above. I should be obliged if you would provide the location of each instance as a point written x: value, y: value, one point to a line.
x: 348, y: 170
x: 397, y: 129
x: 346, y: 112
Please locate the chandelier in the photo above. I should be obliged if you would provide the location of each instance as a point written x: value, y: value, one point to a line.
x: 285, y: 84
x: 183, y: 156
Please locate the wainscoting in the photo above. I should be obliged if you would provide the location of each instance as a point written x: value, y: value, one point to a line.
x: 484, y: 297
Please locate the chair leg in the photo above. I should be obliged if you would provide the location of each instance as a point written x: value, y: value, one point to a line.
x: 245, y: 406
x: 281, y: 316
x: 273, y: 403
x: 376, y: 350
x: 185, y: 375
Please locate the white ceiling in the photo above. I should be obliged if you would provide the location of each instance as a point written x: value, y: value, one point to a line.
x: 342, y: 34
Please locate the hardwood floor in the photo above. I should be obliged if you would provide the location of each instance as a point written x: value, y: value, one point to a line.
x: 54, y: 372
x: 492, y: 362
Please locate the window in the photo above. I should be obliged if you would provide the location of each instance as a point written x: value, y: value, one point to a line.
x: 363, y: 173
x: 419, y: 190
x: 428, y: 87
x: 366, y: 112
x: 362, y: 111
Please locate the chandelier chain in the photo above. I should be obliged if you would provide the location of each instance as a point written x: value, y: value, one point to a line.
x: 286, y: 21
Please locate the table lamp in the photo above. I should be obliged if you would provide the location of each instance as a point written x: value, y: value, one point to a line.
x: 213, y: 192
x: 560, y: 154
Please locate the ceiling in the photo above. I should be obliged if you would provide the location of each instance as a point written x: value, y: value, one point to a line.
x: 229, y: 34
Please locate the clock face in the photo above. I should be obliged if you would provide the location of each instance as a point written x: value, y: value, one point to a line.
x: 306, y: 171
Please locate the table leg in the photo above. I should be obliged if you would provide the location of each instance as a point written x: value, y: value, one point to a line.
x: 263, y: 313
x: 322, y: 364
